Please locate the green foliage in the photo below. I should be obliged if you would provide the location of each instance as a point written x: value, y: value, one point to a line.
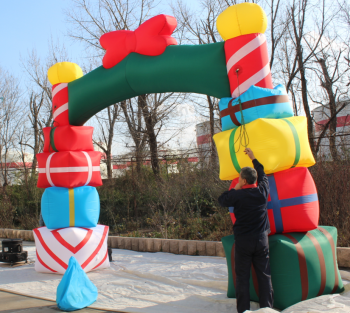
x: 180, y: 205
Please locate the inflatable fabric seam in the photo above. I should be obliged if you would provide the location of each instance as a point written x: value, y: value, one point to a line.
x: 238, y: 22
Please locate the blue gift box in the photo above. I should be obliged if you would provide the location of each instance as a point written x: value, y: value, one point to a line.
x: 256, y: 103
x: 63, y: 207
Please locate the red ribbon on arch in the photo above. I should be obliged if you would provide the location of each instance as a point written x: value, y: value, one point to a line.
x: 150, y: 38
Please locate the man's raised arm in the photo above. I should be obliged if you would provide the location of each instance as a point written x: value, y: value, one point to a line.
x: 263, y: 182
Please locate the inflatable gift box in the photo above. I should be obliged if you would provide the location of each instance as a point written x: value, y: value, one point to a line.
x: 68, y: 138
x: 55, y: 247
x: 255, y: 103
x: 62, y: 207
x: 278, y: 144
x: 69, y: 169
x: 303, y: 266
x: 292, y: 204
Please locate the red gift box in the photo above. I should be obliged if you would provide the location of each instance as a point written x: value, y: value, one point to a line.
x: 68, y: 138
x: 293, y: 202
x: 69, y: 169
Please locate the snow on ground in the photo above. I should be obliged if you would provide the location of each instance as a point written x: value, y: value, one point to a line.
x: 140, y: 282
x: 155, y: 282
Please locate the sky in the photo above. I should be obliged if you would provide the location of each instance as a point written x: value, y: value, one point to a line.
x: 27, y: 25
x: 30, y: 24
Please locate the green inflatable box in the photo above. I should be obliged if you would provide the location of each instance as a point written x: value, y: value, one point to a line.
x: 303, y: 266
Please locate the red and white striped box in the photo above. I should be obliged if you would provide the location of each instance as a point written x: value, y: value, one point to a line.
x: 247, y: 63
x: 69, y: 169
x: 60, y: 104
x: 55, y: 247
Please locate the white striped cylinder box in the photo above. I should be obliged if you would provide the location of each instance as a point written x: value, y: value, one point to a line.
x: 55, y: 247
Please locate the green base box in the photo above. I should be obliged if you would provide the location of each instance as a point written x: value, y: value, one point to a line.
x: 303, y: 266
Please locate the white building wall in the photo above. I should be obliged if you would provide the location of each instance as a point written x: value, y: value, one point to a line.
x: 321, y: 116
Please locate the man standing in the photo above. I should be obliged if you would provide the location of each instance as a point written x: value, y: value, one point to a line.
x: 251, y: 229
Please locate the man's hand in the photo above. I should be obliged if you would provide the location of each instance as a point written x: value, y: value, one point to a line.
x: 250, y: 153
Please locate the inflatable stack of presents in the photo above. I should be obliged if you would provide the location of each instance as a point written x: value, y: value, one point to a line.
x: 302, y: 254
x: 69, y: 169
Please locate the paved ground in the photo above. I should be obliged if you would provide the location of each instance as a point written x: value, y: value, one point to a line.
x: 21, y: 304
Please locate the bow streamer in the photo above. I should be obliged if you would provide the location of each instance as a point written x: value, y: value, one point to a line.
x: 150, y: 38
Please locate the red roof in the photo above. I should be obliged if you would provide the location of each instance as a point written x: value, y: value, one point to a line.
x: 17, y: 164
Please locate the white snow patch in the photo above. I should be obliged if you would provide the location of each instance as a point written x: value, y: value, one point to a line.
x: 157, y: 283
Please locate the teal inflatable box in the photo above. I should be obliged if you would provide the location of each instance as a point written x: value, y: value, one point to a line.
x: 63, y: 207
x: 256, y: 103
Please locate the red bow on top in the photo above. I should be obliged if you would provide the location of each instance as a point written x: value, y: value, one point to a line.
x: 150, y: 38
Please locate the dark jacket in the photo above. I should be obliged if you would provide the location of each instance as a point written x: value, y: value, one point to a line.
x: 250, y: 206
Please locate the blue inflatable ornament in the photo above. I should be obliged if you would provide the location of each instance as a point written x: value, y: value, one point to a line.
x: 75, y: 291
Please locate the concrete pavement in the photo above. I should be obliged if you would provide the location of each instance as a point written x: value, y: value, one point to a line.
x: 20, y: 304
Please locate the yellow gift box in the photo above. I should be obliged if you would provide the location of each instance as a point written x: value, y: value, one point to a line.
x: 278, y: 144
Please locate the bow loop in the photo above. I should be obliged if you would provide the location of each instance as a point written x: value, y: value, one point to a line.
x: 150, y: 38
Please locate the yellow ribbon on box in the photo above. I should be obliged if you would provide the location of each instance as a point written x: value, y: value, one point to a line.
x: 278, y: 144
x: 71, y: 207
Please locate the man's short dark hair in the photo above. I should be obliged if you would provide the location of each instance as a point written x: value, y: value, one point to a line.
x: 249, y: 174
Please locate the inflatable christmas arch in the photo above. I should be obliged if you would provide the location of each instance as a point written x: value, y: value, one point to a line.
x: 148, y: 60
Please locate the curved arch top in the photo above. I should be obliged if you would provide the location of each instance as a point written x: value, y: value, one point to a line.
x: 196, y: 69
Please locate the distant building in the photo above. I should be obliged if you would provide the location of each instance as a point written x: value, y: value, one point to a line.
x: 167, y: 157
x: 204, y: 138
x: 13, y: 167
x: 321, y: 116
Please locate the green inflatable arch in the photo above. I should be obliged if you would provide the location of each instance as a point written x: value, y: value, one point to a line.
x: 197, y: 69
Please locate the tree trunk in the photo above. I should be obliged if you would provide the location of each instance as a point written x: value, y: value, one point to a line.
x: 328, y: 86
x: 135, y: 130
x: 152, y: 138
x: 310, y: 124
x: 112, y: 117
x: 212, y: 131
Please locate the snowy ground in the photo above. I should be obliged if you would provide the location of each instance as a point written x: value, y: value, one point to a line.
x: 155, y: 282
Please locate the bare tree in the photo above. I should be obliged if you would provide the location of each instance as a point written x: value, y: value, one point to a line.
x: 133, y: 117
x: 295, y: 53
x: 105, y: 140
x: 35, y: 140
x: 11, y: 117
x: 278, y: 25
x: 108, y: 15
x: 331, y: 69
x: 200, y: 28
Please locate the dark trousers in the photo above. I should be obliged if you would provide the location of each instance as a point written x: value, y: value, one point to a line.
x: 254, y: 250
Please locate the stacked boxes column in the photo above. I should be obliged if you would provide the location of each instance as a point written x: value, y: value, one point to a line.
x: 69, y: 169
x: 302, y: 254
